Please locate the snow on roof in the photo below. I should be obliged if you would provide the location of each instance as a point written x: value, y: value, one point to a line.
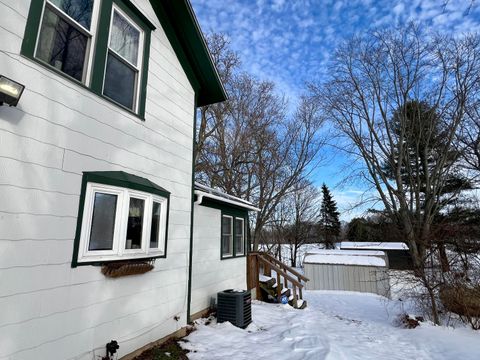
x: 345, y: 252
x: 373, y: 245
x: 365, y: 260
x: 208, y: 192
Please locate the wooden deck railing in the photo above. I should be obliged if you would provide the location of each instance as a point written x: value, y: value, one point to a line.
x: 259, y: 260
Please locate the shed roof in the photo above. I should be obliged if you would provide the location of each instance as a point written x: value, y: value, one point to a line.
x: 359, y: 260
x: 346, y: 252
x: 373, y: 245
x: 183, y: 31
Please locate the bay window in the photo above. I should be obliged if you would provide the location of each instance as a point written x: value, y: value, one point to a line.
x: 120, y: 219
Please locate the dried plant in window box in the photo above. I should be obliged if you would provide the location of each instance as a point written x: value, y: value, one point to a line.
x: 125, y: 268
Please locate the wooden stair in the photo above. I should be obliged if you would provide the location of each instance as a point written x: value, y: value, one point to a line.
x: 272, y: 289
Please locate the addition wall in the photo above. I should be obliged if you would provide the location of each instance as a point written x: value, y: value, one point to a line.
x: 59, y: 129
x: 210, y: 274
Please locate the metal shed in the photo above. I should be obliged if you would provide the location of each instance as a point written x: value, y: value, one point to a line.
x: 348, y: 270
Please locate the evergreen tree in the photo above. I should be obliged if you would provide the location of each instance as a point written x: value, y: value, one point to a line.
x: 329, y: 218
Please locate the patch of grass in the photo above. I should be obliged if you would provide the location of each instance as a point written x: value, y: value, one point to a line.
x: 170, y: 350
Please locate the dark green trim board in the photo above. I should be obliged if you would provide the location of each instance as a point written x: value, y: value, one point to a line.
x: 32, y: 27
x: 220, y: 205
x: 123, y: 180
x: 190, y: 249
x: 99, y: 50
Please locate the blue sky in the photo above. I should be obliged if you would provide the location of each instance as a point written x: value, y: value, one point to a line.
x: 290, y: 42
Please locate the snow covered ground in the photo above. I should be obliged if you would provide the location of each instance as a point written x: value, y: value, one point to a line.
x: 335, y: 325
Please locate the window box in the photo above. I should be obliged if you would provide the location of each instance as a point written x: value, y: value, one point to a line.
x: 121, y: 216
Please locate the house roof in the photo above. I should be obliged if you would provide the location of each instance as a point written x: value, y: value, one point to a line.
x: 183, y: 31
x: 203, y: 191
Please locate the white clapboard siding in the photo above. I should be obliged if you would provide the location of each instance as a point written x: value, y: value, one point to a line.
x: 58, y: 131
x: 16, y: 200
x: 17, y: 173
x: 21, y: 7
x: 29, y: 150
x: 13, y: 20
x: 210, y: 274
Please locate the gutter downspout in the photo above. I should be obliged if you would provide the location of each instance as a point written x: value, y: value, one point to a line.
x: 199, y: 199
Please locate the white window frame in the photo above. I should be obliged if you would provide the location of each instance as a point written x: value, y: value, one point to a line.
x: 138, y: 68
x: 243, y: 236
x: 91, y: 35
x: 163, y: 223
x: 119, y: 252
x: 232, y: 237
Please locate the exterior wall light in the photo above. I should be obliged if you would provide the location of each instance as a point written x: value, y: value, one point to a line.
x: 10, y: 91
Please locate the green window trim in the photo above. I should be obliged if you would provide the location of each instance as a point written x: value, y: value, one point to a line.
x: 118, y: 179
x: 99, y: 49
x: 234, y: 215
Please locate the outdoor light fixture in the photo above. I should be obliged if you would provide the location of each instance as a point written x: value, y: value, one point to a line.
x: 10, y: 91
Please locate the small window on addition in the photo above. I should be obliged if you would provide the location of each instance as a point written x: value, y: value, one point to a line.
x: 233, y: 235
x: 121, y: 216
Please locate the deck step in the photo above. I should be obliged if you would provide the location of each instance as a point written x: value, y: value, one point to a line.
x: 268, y: 288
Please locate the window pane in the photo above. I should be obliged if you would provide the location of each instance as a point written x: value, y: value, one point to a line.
x: 239, y: 236
x: 124, y: 38
x: 103, y: 222
x: 227, y: 236
x: 226, y: 225
x: 79, y: 10
x: 155, y: 233
x: 61, y: 45
x: 119, y: 82
x: 135, y: 224
x: 227, y: 249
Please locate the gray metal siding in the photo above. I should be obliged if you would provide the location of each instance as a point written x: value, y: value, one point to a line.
x: 368, y: 279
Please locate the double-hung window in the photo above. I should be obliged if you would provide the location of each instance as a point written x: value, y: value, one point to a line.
x: 120, y: 222
x: 66, y: 35
x: 124, y: 59
x: 101, y: 44
x: 233, y: 236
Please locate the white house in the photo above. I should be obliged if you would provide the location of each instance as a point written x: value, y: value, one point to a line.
x: 96, y: 175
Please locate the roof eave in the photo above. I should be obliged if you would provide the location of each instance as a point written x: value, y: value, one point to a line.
x: 184, y: 33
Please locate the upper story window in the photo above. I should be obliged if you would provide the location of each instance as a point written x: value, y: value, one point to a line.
x: 66, y: 35
x: 123, y: 60
x: 121, y: 216
x: 101, y: 44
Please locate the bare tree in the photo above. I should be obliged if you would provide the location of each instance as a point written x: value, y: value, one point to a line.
x: 376, y: 75
x: 248, y: 146
x: 299, y: 212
